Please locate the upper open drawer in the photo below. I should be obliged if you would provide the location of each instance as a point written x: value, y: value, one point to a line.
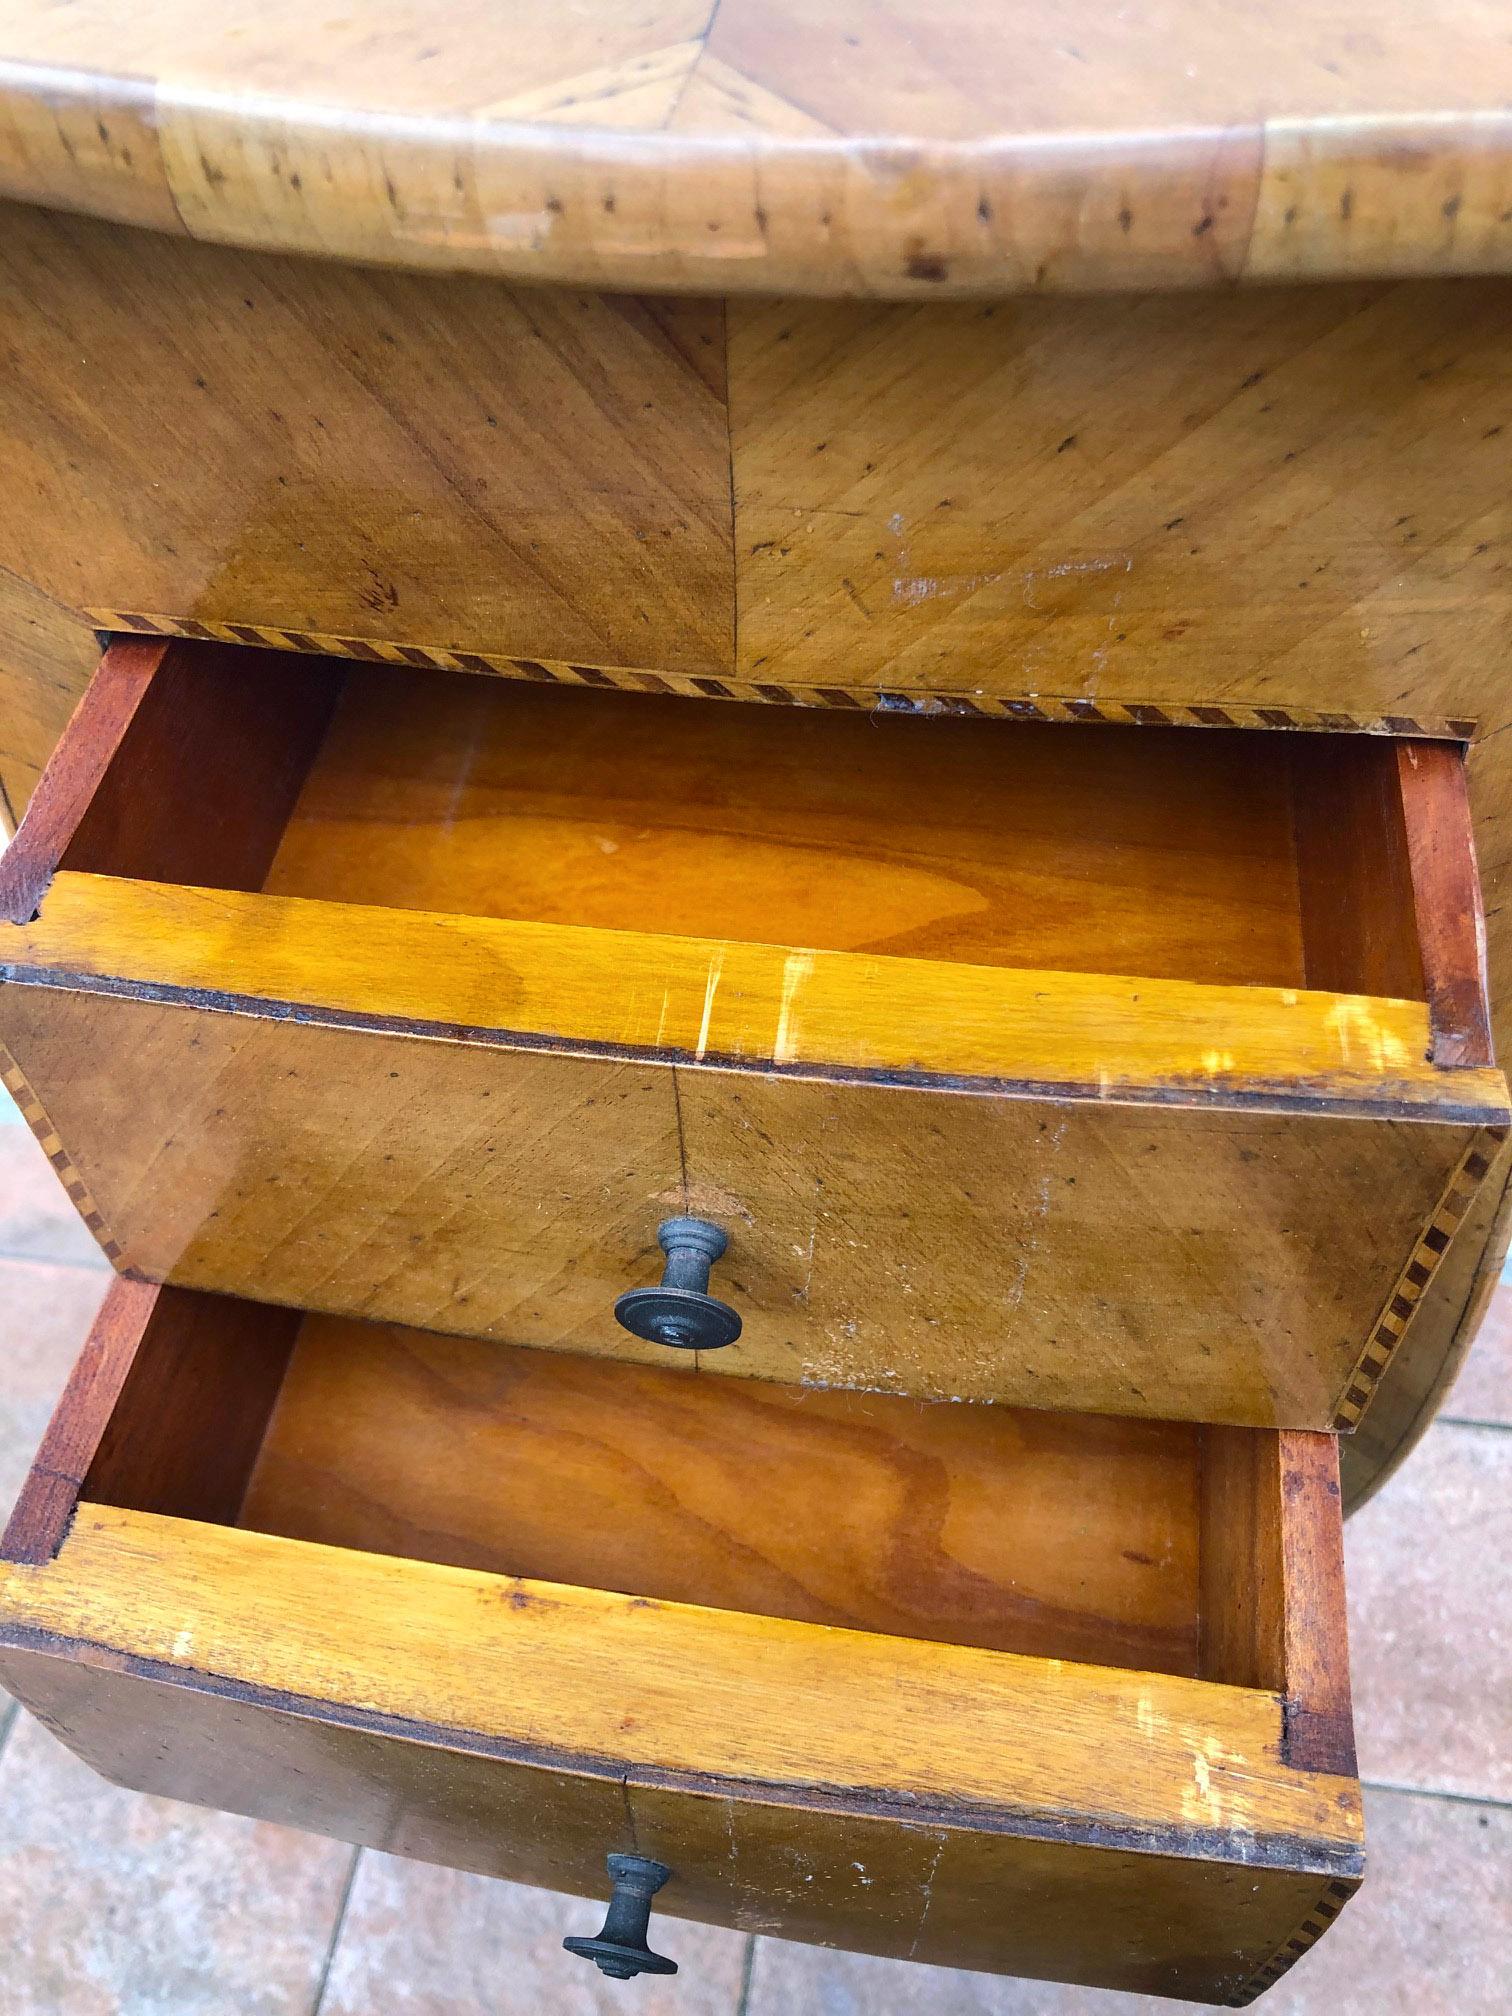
x: 1138, y: 1071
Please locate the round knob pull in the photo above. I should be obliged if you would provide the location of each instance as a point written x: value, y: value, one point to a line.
x: 620, y: 1949
x: 681, y: 1311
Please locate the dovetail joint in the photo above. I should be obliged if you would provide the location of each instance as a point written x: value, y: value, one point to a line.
x: 1422, y: 1264
x: 35, y: 1115
x: 1335, y: 1896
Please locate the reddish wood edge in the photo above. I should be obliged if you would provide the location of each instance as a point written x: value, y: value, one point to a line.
x: 1272, y: 1584
x: 1319, y: 1718
x: 42, y: 1513
x: 165, y: 1411
x: 1359, y: 927
x: 74, y: 772
x: 181, y: 764
x: 1451, y: 922
x: 188, y: 1423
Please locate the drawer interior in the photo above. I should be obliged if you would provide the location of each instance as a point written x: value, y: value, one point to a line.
x: 1068, y: 1536
x: 940, y: 839
x: 1215, y: 855
x: 1120, y: 1543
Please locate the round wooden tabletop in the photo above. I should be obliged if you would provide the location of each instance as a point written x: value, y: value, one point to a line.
x: 846, y: 147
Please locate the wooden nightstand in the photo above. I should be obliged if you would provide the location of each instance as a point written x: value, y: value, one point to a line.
x: 763, y: 943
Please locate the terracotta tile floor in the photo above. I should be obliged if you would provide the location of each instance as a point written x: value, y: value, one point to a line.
x: 115, y: 1905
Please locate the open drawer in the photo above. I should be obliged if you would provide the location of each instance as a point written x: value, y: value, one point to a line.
x: 1056, y: 1695
x: 1138, y: 1071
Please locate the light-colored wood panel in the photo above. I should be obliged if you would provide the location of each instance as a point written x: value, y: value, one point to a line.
x: 1207, y: 1942
x: 980, y: 704
x: 1279, y: 497
x: 1216, y: 457
x: 835, y: 149
x: 1215, y: 1266
x: 683, y: 1689
x: 1071, y: 1537
x: 1211, y: 1264
x: 211, y: 434
x: 417, y: 1180
x: 940, y: 839
x: 696, y: 999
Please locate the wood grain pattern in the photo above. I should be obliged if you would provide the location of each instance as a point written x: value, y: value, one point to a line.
x: 847, y: 149
x: 1388, y: 881
x: 34, y: 1114
x: 192, y: 1414
x: 47, y: 653
x: 1359, y: 911
x: 1271, y: 500
x: 1071, y: 1537
x: 740, y: 1005
x: 1451, y: 1304
x: 928, y: 838
x: 1000, y: 1903
x: 351, y: 452
x: 990, y: 1737
x: 839, y: 693
x: 182, y: 763
x: 50, y: 1491
x: 408, y: 1791
x: 1272, y: 1575
x: 165, y: 1410
x: 1222, y: 1264
x: 494, y: 799
x: 1420, y: 1273
x: 1206, y: 1258
x: 75, y: 772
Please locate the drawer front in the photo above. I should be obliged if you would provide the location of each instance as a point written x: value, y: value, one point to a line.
x: 1124, y: 1258
x: 1206, y: 1929
x: 1179, y: 1829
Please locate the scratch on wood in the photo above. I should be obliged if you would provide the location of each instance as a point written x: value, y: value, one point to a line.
x: 796, y: 970
x: 926, y: 1891
x: 711, y: 988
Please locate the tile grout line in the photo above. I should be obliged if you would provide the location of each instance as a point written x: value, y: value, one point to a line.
x: 1427, y: 1792
x: 337, y: 1928
x: 10, y: 1710
x: 1471, y: 1421
x: 748, y: 1968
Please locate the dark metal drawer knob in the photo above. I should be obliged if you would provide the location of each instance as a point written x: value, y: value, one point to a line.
x: 681, y: 1311
x: 620, y: 1949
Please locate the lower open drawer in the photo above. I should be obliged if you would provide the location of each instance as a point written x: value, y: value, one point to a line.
x: 1036, y: 1693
